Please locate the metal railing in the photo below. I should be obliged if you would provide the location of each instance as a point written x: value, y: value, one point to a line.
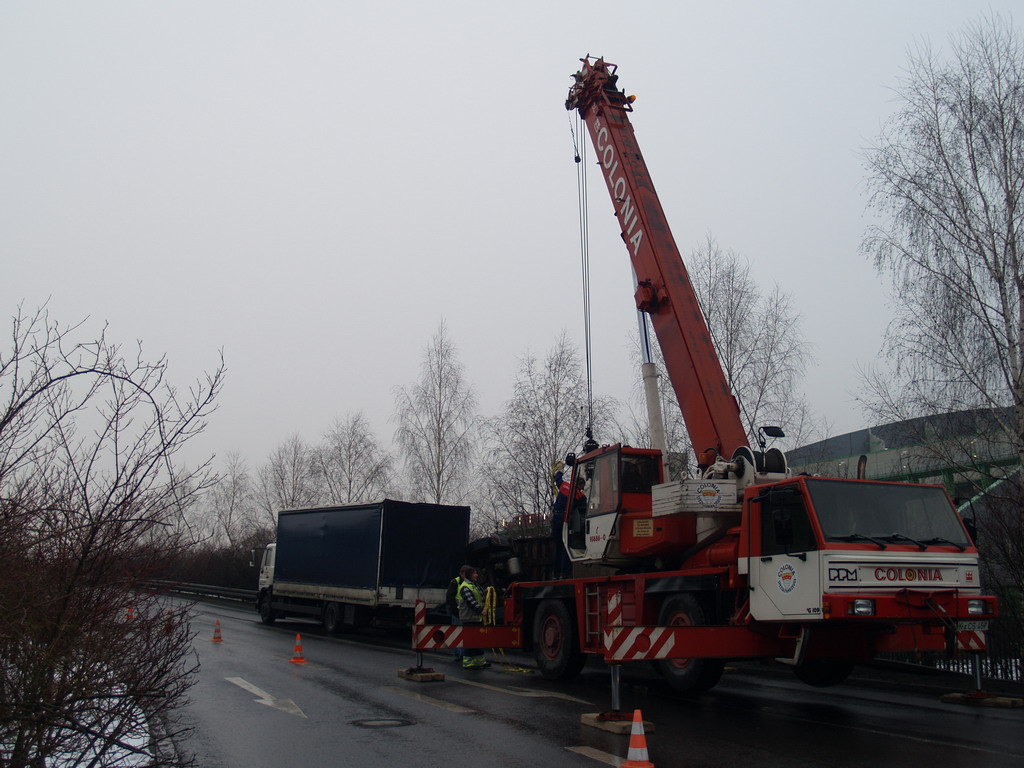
x: 205, y: 590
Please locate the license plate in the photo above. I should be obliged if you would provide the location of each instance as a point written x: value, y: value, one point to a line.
x: 971, y: 626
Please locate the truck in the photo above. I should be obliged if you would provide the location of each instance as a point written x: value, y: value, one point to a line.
x: 743, y: 560
x: 361, y: 564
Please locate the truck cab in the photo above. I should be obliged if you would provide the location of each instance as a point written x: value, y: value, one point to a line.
x: 266, y: 578
x: 823, y: 548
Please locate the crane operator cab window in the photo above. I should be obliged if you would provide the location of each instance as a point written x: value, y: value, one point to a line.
x: 785, y: 527
x: 603, y: 485
x: 639, y: 473
x: 578, y: 497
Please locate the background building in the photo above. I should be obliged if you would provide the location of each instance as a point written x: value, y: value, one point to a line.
x: 967, y: 452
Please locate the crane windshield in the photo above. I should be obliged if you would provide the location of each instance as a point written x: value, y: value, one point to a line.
x: 639, y: 473
x: 885, y: 513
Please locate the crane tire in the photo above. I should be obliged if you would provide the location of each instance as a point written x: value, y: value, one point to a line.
x: 556, y: 645
x: 687, y: 675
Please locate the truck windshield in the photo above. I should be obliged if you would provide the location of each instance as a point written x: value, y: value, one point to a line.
x: 895, y: 514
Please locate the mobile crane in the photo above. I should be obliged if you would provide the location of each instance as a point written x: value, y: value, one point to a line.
x: 744, y: 560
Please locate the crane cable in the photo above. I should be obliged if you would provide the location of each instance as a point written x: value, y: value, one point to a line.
x: 580, y: 148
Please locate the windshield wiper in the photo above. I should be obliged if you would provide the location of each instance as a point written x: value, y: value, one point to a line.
x: 859, y: 537
x: 940, y: 540
x: 901, y: 537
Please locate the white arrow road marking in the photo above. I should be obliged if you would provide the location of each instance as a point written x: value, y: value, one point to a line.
x: 525, y: 692
x: 262, y: 697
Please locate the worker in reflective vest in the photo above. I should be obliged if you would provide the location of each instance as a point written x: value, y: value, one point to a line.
x: 470, y: 601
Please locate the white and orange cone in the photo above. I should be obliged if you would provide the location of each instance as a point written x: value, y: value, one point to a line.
x: 216, y: 633
x: 298, y: 658
x: 637, y: 757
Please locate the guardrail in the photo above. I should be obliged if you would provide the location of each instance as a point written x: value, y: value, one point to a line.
x: 206, y: 590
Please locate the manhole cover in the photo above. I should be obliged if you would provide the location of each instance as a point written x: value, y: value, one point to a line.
x: 381, y: 722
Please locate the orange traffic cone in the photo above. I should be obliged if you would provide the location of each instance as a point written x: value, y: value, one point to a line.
x: 637, y: 757
x: 216, y: 633
x: 131, y: 613
x: 297, y: 658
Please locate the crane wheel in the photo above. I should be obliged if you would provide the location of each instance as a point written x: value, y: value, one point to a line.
x: 556, y: 645
x: 687, y: 675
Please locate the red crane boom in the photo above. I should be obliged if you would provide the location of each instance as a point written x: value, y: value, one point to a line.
x: 664, y: 290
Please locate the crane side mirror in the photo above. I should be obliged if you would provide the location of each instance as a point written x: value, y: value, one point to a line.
x: 972, y: 529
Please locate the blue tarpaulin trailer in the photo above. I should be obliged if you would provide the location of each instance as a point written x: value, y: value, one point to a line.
x: 361, y: 564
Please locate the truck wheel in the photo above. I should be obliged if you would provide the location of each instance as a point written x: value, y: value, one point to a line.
x: 332, y: 618
x: 555, y: 643
x: 687, y: 675
x: 822, y: 673
x: 267, y: 615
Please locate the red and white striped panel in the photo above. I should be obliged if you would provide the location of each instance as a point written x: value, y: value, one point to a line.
x: 638, y: 643
x: 615, y: 609
x: 420, y: 615
x: 430, y: 636
x: 970, y: 641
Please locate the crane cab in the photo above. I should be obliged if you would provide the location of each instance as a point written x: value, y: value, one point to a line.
x: 609, y: 515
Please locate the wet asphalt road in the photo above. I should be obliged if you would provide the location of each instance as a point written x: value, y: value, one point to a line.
x: 348, y: 707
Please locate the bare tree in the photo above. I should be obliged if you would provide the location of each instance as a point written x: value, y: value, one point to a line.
x: 946, y: 178
x: 90, y: 501
x: 231, y: 502
x: 544, y: 420
x: 350, y: 464
x: 437, y: 420
x: 757, y: 336
x: 288, y: 480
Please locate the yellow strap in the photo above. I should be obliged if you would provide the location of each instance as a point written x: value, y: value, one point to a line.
x: 490, y: 616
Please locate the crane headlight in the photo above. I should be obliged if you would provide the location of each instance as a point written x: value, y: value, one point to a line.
x: 862, y: 607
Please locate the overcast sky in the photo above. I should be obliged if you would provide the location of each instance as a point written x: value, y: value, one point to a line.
x: 312, y: 186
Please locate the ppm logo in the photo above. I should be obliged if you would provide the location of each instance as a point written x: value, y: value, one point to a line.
x: 842, y: 574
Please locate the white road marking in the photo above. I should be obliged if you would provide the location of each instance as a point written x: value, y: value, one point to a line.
x: 524, y: 692
x: 246, y: 685
x: 597, y: 754
x: 544, y: 694
x: 262, y: 697
x: 430, y: 700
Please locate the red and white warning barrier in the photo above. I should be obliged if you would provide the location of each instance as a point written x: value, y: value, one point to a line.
x: 434, y: 636
x: 615, y: 609
x: 426, y: 637
x: 638, y: 643
x: 970, y: 641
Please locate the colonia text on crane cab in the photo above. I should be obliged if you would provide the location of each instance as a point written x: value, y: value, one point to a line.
x: 908, y: 574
